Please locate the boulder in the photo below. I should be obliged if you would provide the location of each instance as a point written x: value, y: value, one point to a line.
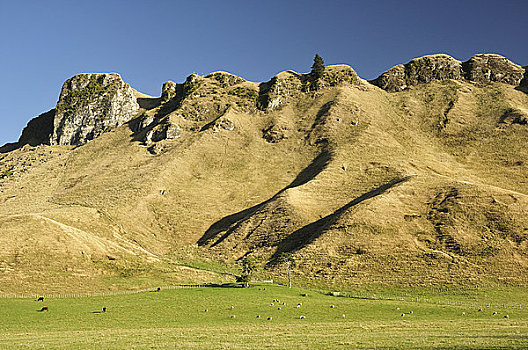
x: 274, y: 134
x: 223, y: 124
x: 91, y: 104
x: 163, y: 131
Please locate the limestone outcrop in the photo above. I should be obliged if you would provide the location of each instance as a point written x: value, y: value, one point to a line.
x: 289, y: 84
x: 488, y: 68
x: 482, y: 69
x: 91, y: 104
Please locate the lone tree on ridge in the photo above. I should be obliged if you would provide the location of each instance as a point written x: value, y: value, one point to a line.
x: 318, y: 69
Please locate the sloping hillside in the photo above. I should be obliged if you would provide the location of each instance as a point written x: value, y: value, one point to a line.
x: 420, y: 185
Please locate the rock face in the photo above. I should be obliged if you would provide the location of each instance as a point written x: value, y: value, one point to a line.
x: 288, y: 85
x: 429, y: 68
x: 169, y: 91
x: 225, y: 79
x: 488, y: 68
x: 484, y: 68
x: 392, y: 80
x: 420, y: 70
x: 163, y: 131
x: 90, y: 104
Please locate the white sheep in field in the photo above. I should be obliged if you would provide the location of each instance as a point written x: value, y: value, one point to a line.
x: 301, y: 317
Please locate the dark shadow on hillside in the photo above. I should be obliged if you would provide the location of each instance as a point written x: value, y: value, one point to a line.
x: 37, y: 132
x: 226, y: 224
x: 523, y: 86
x: 8, y: 147
x: 307, y: 234
x: 149, y: 102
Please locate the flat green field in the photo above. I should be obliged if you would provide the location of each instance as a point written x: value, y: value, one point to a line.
x: 176, y: 319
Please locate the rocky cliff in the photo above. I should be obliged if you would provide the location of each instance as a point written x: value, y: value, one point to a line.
x: 90, y: 104
x: 481, y: 69
x: 423, y: 187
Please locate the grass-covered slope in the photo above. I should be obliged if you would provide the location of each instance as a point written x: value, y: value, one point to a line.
x: 420, y: 187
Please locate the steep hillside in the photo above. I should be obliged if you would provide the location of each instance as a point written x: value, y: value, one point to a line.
x: 422, y: 184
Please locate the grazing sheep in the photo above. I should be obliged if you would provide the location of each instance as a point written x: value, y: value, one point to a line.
x: 298, y: 306
x: 463, y: 314
x: 332, y: 306
x: 343, y: 316
x: 258, y: 316
x: 271, y: 304
x: 270, y: 318
x: 402, y: 315
x: 283, y: 303
x: 233, y: 316
x: 279, y: 308
x: 40, y: 299
x: 479, y: 310
x: 397, y: 308
x: 206, y: 310
x: 506, y: 316
x: 494, y: 313
x: 158, y: 289
x: 301, y: 317
x: 232, y: 307
x: 304, y: 295
x: 410, y: 312
x: 45, y: 308
x: 104, y: 309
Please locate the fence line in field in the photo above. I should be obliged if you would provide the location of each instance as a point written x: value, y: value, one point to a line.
x: 97, y: 294
x: 354, y: 295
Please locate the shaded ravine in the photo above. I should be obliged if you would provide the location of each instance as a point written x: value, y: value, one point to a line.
x: 317, y: 165
x: 309, y: 233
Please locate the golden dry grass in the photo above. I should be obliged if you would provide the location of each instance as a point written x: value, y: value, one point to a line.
x: 355, y: 191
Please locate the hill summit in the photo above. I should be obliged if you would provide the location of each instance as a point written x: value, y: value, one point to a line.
x: 418, y: 177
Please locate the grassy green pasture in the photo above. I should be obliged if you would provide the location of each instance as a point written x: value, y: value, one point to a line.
x: 177, y: 319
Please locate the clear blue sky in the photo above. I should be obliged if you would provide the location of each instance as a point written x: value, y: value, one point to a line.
x: 43, y: 43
